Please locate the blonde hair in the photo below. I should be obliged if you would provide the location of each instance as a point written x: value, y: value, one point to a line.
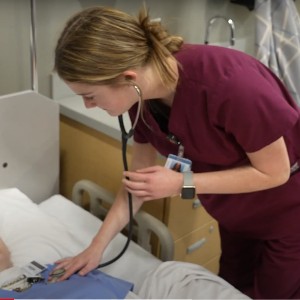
x: 99, y: 43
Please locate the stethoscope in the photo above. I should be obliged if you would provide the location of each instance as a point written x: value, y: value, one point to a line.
x: 125, y: 136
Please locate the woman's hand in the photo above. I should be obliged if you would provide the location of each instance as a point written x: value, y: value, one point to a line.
x: 82, y: 263
x: 153, y: 183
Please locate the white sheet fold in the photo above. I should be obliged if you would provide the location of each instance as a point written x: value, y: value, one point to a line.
x: 181, y: 280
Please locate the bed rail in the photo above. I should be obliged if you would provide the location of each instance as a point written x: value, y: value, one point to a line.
x: 100, y: 201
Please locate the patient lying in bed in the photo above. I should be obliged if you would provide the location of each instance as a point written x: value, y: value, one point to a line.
x: 95, y: 285
x: 169, y: 281
x: 36, y: 232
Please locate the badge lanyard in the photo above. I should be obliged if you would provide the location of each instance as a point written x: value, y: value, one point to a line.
x: 177, y: 162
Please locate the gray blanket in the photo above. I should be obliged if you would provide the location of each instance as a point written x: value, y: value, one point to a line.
x: 181, y: 280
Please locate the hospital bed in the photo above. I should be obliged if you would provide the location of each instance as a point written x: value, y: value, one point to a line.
x: 37, y: 223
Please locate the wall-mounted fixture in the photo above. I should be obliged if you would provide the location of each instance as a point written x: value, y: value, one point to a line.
x: 228, y: 21
x: 34, y: 74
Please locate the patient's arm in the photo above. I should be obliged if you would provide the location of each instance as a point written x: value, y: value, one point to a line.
x: 5, y: 261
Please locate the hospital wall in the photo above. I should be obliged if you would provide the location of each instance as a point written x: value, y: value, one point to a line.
x: 187, y: 18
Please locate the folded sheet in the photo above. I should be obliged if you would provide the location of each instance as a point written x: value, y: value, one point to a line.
x: 181, y: 280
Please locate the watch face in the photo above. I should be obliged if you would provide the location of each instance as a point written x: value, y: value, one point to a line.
x: 188, y: 193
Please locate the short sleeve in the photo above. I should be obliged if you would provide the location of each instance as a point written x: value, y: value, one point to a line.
x: 254, y: 108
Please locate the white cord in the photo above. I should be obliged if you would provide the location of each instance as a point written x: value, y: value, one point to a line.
x: 138, y: 91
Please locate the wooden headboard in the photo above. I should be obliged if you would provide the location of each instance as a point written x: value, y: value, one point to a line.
x: 29, y: 144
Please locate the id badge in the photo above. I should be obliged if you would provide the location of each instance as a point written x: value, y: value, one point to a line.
x: 179, y: 164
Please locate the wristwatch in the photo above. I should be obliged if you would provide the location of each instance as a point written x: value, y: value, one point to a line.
x: 188, y: 190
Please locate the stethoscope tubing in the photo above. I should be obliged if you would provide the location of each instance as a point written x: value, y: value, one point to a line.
x: 125, y: 137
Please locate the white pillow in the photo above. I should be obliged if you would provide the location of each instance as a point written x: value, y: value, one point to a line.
x: 30, y: 234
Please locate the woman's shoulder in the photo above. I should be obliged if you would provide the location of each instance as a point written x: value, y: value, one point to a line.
x: 209, y: 50
x: 210, y: 64
x: 213, y: 55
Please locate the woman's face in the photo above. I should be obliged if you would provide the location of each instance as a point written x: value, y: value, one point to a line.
x: 115, y: 100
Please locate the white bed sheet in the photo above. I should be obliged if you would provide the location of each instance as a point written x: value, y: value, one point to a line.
x: 58, y: 228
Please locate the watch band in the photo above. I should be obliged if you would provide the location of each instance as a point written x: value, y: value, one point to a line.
x: 188, y: 178
x: 188, y: 190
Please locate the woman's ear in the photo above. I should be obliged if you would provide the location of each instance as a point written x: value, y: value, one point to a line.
x: 130, y: 75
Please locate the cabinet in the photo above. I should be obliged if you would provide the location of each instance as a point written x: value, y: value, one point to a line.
x: 90, y: 154
x: 194, y: 231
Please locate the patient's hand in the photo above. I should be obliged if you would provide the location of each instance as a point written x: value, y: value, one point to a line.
x: 5, y: 261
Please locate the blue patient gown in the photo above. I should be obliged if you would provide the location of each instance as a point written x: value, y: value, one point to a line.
x: 95, y: 285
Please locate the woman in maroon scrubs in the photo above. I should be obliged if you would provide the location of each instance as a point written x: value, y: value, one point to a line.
x: 221, y: 109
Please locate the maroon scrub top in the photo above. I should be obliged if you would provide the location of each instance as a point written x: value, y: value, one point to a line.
x: 228, y: 103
